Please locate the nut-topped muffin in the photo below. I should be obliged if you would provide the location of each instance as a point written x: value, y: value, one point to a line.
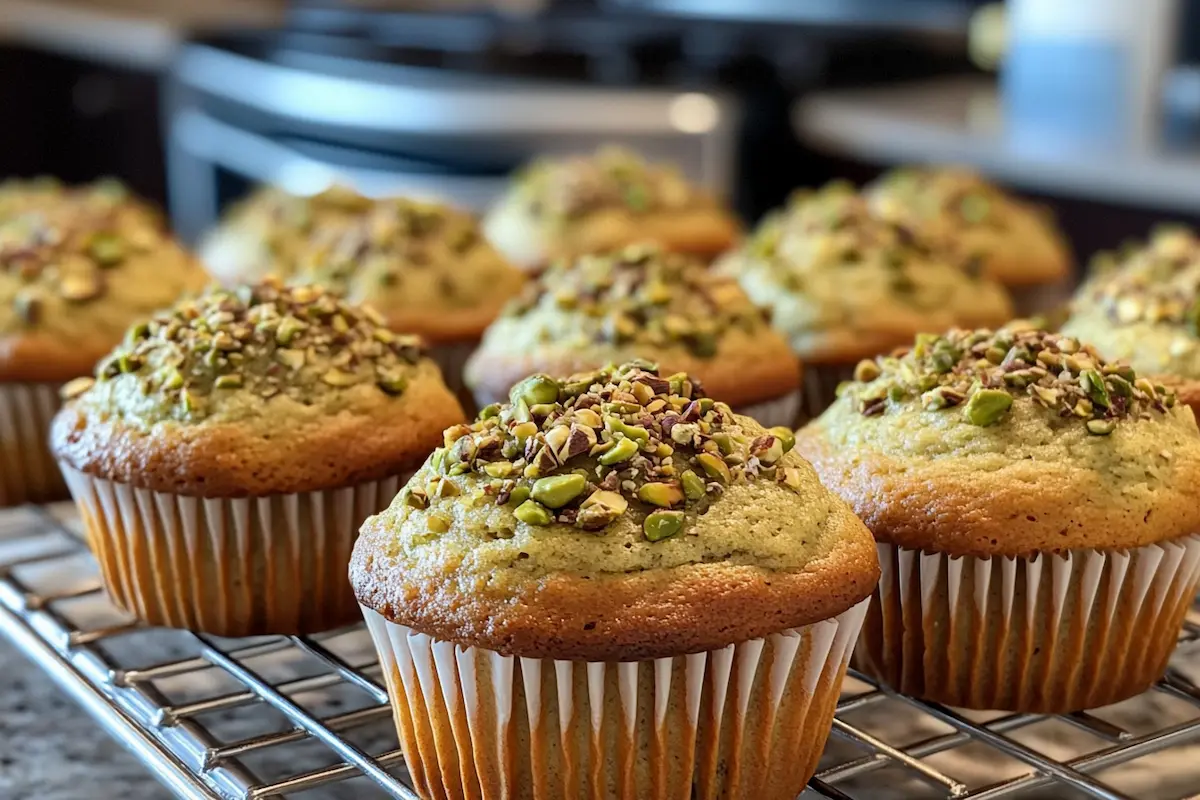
x: 271, y: 231
x: 224, y: 455
x: 1036, y: 508
x: 625, y: 539
x: 567, y: 207
x: 1011, y: 240
x: 77, y: 265
x: 641, y: 302
x: 424, y: 266
x: 1142, y: 307
x: 843, y: 284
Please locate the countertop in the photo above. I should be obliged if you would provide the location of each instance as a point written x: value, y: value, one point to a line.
x: 133, y: 33
x: 52, y: 750
x: 962, y: 120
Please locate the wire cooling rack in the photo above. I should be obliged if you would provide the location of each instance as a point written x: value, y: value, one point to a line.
x: 308, y: 716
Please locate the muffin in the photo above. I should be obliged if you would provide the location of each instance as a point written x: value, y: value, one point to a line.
x: 1141, y: 307
x: 613, y: 587
x: 77, y: 266
x: 1011, y: 240
x: 567, y: 207
x: 424, y: 266
x: 1036, y: 509
x: 225, y: 454
x: 843, y: 284
x: 641, y: 302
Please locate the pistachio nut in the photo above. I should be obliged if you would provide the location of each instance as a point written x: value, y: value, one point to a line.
x: 660, y: 525
x: 623, y: 450
x: 660, y: 494
x: 714, y: 467
x: 987, y: 406
x: 558, y: 490
x: 535, y: 390
x: 694, y: 487
x: 532, y: 512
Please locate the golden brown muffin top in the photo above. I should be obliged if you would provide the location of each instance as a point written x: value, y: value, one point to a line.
x: 424, y: 265
x: 842, y: 282
x: 1009, y: 442
x: 219, y: 356
x: 640, y: 301
x: 606, y: 481
x: 77, y: 265
x: 613, y: 177
x: 258, y: 390
x: 1002, y: 236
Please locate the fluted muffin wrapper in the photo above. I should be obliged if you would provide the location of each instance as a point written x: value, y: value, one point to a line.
x: 28, y: 472
x: 747, y: 720
x: 1051, y: 633
x: 782, y: 411
x: 451, y: 359
x: 228, y: 566
x: 818, y: 387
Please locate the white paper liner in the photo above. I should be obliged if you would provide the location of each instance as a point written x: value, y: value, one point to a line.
x: 1052, y: 633
x: 228, y: 566
x: 772, y: 413
x: 818, y: 388
x: 748, y: 720
x: 452, y: 360
x: 28, y: 472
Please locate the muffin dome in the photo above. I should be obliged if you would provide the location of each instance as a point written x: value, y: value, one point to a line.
x: 77, y: 265
x: 566, y: 207
x: 260, y: 390
x: 948, y: 444
x: 842, y: 283
x: 614, y: 515
x: 1012, y: 241
x: 270, y: 231
x: 1143, y: 308
x: 638, y: 302
x: 425, y: 266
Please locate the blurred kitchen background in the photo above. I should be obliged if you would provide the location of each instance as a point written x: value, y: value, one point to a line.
x: 1091, y: 105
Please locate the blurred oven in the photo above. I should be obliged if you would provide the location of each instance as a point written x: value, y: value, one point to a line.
x: 240, y: 112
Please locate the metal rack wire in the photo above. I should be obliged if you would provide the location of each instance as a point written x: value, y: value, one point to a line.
x: 307, y: 716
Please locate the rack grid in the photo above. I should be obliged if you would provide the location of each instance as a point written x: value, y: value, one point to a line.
x: 282, y: 717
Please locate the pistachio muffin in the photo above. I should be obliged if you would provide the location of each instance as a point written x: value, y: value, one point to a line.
x: 1143, y: 307
x: 271, y: 231
x: 424, y: 266
x: 566, y: 207
x: 843, y: 284
x: 641, y: 302
x: 1012, y: 241
x: 226, y: 452
x: 1036, y: 509
x: 578, y: 563
x: 77, y: 266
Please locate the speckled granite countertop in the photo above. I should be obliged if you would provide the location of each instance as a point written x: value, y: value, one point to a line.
x: 52, y: 750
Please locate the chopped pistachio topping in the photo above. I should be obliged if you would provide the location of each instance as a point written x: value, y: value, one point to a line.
x: 266, y: 339
x: 642, y: 295
x: 612, y: 177
x: 623, y: 440
x: 832, y: 227
x: 397, y: 252
x: 58, y: 241
x: 950, y: 194
x: 985, y: 372
x: 1158, y: 283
